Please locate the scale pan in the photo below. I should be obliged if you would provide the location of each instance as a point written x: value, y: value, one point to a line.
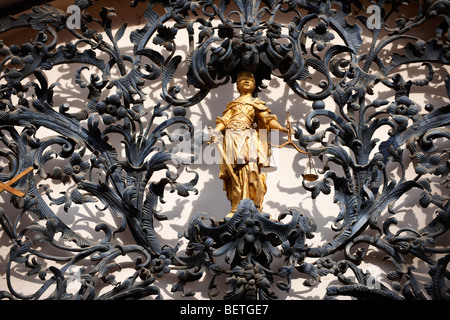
x: 310, y: 177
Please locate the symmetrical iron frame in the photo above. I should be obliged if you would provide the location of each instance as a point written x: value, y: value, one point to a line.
x: 225, y: 37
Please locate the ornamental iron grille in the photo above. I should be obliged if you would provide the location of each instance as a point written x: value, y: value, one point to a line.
x: 251, y: 255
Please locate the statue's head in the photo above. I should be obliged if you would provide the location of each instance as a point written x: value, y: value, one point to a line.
x: 245, y: 82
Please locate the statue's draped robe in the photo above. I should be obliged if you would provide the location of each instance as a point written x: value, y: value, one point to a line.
x: 245, y: 150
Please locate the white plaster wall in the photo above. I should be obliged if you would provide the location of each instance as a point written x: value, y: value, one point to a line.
x: 284, y: 185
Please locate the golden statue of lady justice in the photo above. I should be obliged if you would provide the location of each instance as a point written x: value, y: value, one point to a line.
x: 244, y: 151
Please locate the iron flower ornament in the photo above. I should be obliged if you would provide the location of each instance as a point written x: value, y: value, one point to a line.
x: 255, y: 255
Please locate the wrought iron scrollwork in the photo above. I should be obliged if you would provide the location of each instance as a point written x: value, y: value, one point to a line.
x: 270, y: 39
x: 249, y: 242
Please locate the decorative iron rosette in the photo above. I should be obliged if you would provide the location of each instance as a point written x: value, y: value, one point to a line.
x: 301, y: 43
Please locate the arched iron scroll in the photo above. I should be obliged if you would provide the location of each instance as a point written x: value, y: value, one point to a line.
x: 256, y: 256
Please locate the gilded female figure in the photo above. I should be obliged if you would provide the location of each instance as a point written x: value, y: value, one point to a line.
x: 245, y: 123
